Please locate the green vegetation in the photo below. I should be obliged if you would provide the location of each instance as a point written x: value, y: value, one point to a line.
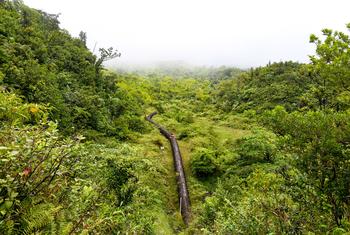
x: 266, y: 151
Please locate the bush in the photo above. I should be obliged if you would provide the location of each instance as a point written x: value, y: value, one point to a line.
x: 203, y: 163
x: 259, y: 147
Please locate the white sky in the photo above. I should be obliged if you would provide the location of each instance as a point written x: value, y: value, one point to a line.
x: 241, y: 33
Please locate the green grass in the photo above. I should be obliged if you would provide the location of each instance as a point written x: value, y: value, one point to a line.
x: 203, y: 132
x: 156, y: 146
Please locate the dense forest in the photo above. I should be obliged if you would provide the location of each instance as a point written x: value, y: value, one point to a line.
x: 265, y: 150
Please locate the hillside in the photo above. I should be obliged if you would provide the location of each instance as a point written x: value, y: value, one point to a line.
x: 265, y: 150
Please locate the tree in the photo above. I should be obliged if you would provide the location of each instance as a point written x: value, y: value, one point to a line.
x: 105, y: 55
x: 319, y: 141
x: 330, y: 69
x: 82, y: 37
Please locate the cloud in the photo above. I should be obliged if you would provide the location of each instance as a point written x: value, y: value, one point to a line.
x: 210, y: 32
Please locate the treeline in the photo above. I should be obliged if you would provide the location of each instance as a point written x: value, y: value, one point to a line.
x: 44, y: 64
x: 55, y: 98
x: 284, y: 83
x: 180, y: 70
x: 77, y: 156
x: 291, y: 174
x: 69, y: 133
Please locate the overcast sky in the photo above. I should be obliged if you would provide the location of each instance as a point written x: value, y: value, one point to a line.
x: 241, y: 33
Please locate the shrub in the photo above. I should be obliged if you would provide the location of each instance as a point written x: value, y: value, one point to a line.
x: 258, y: 147
x: 203, y: 163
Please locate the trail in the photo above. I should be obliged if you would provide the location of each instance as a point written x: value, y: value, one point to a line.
x: 184, y: 200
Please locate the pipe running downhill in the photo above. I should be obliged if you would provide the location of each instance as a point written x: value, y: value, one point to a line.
x: 184, y: 199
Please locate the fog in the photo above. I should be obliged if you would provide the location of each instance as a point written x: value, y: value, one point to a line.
x: 240, y: 33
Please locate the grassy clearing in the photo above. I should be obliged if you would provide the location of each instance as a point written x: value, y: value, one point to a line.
x: 202, y: 132
x: 156, y: 146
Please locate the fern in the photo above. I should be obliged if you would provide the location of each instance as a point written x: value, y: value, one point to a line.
x: 61, y: 225
x: 6, y: 227
x: 38, y: 217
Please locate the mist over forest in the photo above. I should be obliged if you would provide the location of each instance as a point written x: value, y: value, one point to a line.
x: 90, y: 144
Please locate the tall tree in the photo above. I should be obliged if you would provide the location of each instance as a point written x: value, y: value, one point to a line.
x: 83, y: 37
x: 331, y: 70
